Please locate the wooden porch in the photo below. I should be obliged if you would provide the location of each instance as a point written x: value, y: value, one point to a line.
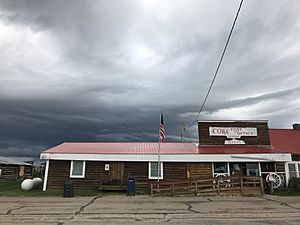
x: 216, y: 186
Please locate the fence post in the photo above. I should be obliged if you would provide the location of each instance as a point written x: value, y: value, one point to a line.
x: 271, y: 187
x: 196, y: 188
x: 218, y: 187
x: 242, y: 186
x: 151, y: 189
x: 261, y: 185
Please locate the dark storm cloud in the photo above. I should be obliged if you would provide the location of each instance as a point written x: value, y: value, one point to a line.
x: 102, y: 71
x: 287, y: 95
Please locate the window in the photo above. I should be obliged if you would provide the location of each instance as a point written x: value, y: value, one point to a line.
x: 220, y: 169
x: 77, y: 169
x: 292, y: 170
x: 153, y: 170
x: 267, y: 167
x: 252, y: 169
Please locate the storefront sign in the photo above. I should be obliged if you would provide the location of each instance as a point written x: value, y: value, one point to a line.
x: 233, y: 132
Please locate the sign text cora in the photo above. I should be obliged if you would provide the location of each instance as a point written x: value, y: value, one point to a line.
x: 232, y: 132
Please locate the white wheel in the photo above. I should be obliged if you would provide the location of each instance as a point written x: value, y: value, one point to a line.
x: 220, y: 175
x: 275, y: 178
x: 223, y: 182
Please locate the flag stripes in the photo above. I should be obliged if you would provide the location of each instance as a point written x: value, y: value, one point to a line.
x: 162, y: 129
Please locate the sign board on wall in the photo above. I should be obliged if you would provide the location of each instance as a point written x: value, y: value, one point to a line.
x: 106, y: 166
x: 233, y: 132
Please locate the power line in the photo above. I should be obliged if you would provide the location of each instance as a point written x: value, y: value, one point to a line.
x: 219, y: 64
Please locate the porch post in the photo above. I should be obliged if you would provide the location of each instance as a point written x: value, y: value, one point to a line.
x: 287, y: 174
x: 46, y: 176
x: 259, y: 169
x: 228, y: 169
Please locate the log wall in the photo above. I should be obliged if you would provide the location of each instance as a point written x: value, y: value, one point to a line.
x: 59, y: 172
x: 95, y: 175
x: 200, y: 171
x: 11, y: 172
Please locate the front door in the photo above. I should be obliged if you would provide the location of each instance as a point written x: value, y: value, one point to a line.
x: 116, y: 173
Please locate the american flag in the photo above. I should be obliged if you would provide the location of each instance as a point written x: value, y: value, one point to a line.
x: 162, y: 129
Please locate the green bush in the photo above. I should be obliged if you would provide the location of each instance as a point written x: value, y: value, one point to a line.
x: 294, y: 183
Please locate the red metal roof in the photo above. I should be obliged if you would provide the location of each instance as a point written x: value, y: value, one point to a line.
x: 285, y: 140
x: 235, y: 149
x: 124, y: 148
x: 282, y: 141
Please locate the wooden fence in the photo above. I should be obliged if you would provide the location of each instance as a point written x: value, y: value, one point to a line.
x: 215, y: 186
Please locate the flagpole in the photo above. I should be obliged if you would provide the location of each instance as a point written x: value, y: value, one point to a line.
x: 158, y: 157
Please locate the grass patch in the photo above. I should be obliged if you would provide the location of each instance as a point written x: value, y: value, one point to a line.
x: 13, y: 188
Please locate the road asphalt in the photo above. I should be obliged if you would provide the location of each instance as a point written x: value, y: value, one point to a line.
x: 121, y: 209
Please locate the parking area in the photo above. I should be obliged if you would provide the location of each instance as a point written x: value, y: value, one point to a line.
x: 120, y: 209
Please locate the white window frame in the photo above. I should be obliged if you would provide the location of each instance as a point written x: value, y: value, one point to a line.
x: 222, y: 174
x: 287, y: 170
x: 297, y: 169
x: 83, y: 170
x: 161, y: 177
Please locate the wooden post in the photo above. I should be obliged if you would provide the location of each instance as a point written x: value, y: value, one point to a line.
x: 261, y: 186
x: 196, y: 188
x: 151, y: 189
x: 271, y: 187
x: 242, y: 186
x: 218, y: 187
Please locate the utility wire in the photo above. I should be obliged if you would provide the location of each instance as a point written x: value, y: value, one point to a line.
x: 219, y: 64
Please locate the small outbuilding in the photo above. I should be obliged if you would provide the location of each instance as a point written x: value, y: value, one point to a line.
x: 13, y: 169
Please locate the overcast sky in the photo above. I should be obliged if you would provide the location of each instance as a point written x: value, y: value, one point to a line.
x: 102, y: 70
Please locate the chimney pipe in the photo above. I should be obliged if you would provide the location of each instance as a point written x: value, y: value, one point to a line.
x: 296, y: 126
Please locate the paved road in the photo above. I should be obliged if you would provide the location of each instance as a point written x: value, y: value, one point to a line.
x: 120, y: 209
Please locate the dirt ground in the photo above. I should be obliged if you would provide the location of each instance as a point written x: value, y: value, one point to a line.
x: 120, y: 209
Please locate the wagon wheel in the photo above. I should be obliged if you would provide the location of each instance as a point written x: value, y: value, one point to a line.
x: 277, y: 180
x: 282, y: 176
x: 223, y: 182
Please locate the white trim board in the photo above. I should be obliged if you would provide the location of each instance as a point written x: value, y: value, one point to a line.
x: 171, y: 158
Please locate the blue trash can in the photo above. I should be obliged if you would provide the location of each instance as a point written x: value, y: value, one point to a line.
x: 131, y: 186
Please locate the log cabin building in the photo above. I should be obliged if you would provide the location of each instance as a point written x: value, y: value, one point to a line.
x: 13, y: 169
x: 225, y: 148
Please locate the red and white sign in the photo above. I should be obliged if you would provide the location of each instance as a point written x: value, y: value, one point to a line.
x: 233, y: 132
